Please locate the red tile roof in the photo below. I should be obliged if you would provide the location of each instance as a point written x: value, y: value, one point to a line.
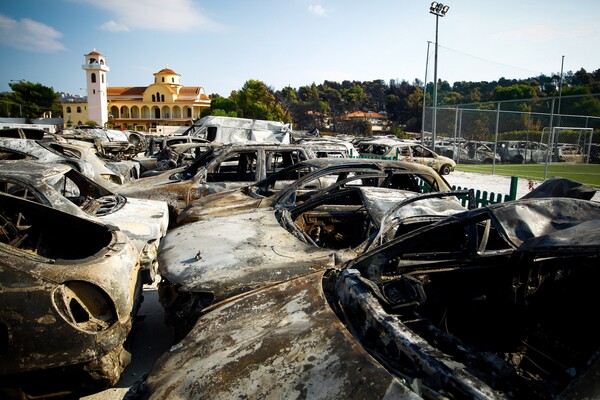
x: 166, y: 71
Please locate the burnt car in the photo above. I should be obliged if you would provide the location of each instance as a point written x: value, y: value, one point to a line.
x: 300, y: 180
x: 217, y: 258
x: 471, y: 152
x: 110, y: 142
x: 70, y: 291
x: 396, y: 149
x: 38, y: 150
x: 144, y: 221
x: 522, y: 151
x: 161, y: 151
x: 23, y: 133
x: 217, y: 169
x: 82, y: 156
x: 489, y: 303
x: 107, y: 166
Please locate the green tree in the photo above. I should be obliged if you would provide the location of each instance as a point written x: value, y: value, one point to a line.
x: 354, y: 97
x: 33, y: 99
x: 333, y: 98
x: 221, y: 106
x: 256, y: 100
x: 287, y: 98
x: 514, y: 92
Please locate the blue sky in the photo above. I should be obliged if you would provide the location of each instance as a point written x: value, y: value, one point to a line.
x: 220, y: 44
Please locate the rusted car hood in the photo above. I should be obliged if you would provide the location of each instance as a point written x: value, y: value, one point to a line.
x: 160, y: 187
x: 280, y: 342
x: 217, y: 256
x: 218, y: 204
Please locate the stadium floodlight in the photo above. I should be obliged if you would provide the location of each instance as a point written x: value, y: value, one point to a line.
x: 439, y: 10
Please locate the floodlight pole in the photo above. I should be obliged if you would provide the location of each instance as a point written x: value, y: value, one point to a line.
x: 439, y: 10
x: 562, y: 63
x: 424, y: 94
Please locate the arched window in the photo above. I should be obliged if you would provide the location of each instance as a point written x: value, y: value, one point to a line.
x: 93, y: 77
x: 69, y: 110
x: 163, y: 78
x: 153, y: 98
x: 102, y: 75
x: 158, y: 96
x: 79, y: 110
x: 162, y: 98
x: 173, y: 80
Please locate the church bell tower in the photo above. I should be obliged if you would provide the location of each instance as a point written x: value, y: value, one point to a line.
x: 95, y: 76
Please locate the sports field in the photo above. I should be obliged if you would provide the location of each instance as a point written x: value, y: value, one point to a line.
x: 588, y: 174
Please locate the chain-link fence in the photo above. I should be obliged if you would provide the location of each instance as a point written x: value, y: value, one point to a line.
x: 546, y: 130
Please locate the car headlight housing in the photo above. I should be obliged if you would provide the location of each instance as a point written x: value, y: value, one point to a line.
x: 85, y: 306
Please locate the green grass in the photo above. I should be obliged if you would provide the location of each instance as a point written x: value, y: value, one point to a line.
x: 588, y: 174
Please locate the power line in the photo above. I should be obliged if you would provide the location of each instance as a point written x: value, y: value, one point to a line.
x: 490, y: 61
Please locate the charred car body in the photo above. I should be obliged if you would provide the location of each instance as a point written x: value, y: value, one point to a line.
x: 161, y: 150
x: 218, y: 169
x: 217, y: 258
x: 144, y: 221
x: 300, y: 180
x: 471, y: 152
x: 409, y: 151
x: 70, y: 289
x: 107, y: 141
x: 39, y: 150
x: 522, y: 151
x: 490, y: 303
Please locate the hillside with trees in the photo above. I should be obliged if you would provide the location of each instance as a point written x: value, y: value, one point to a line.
x: 324, y: 105
x: 310, y: 106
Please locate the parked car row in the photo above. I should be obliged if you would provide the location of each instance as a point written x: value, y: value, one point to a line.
x: 515, y: 152
x: 406, y: 150
x: 291, y: 270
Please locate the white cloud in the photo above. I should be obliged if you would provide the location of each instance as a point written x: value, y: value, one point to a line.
x: 113, y: 26
x: 160, y: 15
x: 29, y: 35
x: 317, y: 9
